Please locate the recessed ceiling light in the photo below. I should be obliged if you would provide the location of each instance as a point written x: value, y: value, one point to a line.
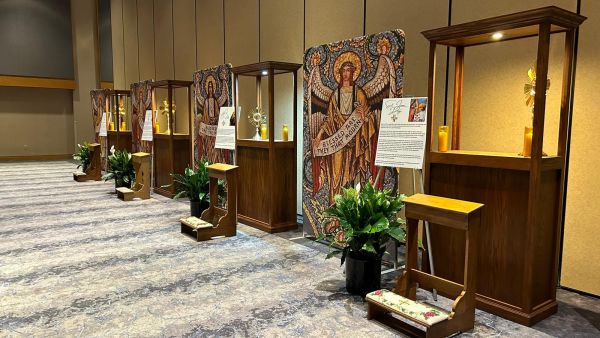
x: 497, y: 36
x: 265, y: 72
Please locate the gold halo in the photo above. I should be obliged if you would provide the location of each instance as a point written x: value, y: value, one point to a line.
x: 347, y: 56
x: 210, y: 79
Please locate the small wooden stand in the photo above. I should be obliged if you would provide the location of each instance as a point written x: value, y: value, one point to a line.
x: 94, y: 171
x: 216, y: 221
x: 141, y: 188
x: 439, y: 211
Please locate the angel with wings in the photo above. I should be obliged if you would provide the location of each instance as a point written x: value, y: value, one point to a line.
x: 141, y: 100
x: 344, y: 121
x: 209, y: 106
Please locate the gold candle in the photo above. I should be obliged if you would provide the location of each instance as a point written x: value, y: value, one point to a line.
x: 443, y: 138
x: 528, y: 136
x: 263, y: 131
x: 123, y: 125
x: 284, y: 133
x: 112, y: 126
x: 156, y: 128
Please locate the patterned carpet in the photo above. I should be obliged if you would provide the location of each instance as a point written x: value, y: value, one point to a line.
x: 76, y: 261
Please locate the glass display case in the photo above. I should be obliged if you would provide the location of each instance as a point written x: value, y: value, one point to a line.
x: 119, y: 119
x: 266, y: 146
x: 171, y: 107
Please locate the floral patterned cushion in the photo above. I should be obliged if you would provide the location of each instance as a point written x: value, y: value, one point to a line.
x: 124, y: 190
x: 408, y: 307
x: 195, y: 222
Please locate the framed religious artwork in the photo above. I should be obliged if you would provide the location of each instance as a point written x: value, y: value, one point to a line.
x: 344, y: 86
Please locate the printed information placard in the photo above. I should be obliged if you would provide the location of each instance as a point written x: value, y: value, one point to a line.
x: 402, y: 133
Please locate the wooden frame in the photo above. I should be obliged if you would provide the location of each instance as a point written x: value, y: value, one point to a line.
x: 94, y: 171
x: 223, y: 222
x: 141, y: 186
x: 520, y: 233
x: 172, y: 151
x: 267, y: 198
x: 121, y: 139
x: 461, y: 215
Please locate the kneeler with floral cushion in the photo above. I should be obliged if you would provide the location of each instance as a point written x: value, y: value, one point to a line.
x: 439, y: 212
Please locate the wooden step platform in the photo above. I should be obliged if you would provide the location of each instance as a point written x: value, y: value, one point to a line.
x: 125, y: 194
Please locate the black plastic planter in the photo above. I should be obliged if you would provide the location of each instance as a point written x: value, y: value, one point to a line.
x: 362, y: 275
x: 197, y: 207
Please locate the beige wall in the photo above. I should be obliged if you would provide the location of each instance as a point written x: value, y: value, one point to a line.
x: 36, y: 121
x: 206, y: 33
x: 87, y: 75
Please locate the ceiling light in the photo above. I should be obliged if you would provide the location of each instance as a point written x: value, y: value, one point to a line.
x: 497, y: 36
x: 265, y: 72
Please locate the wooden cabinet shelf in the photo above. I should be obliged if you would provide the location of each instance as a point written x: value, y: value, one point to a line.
x: 519, y: 237
x: 176, y: 136
x: 492, y: 160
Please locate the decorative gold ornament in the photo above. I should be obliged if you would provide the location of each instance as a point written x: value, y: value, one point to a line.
x: 257, y: 117
x: 529, y: 90
x: 164, y: 109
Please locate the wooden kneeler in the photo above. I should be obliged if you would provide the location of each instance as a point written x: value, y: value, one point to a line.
x: 216, y: 221
x: 94, y: 170
x: 141, y: 187
x: 438, y: 211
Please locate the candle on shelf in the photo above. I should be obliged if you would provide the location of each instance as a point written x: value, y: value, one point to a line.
x: 284, y: 133
x: 263, y: 131
x: 156, y: 128
x: 123, y: 125
x: 112, y: 126
x: 527, y: 141
x: 443, y: 138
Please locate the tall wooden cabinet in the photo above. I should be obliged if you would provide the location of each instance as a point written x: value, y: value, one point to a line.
x: 119, y: 131
x: 520, y: 231
x: 267, y: 168
x: 172, y: 140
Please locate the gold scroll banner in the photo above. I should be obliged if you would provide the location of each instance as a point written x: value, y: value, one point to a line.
x: 341, y: 137
x: 208, y: 129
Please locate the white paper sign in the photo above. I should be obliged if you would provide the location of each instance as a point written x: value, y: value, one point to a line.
x: 147, y: 131
x: 402, y: 133
x: 225, y: 131
x: 102, y: 131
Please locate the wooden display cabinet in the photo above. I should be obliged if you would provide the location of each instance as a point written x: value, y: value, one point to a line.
x: 267, y: 168
x: 172, y: 144
x: 519, y: 240
x: 119, y: 132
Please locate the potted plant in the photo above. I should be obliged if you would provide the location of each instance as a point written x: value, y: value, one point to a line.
x: 366, y: 220
x: 193, y: 184
x: 120, y: 168
x: 83, y: 156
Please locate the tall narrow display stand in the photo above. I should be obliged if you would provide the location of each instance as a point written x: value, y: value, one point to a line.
x: 172, y: 138
x: 520, y: 227
x: 119, y: 127
x: 267, y: 168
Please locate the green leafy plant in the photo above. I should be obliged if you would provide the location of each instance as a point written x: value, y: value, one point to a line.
x: 120, y: 168
x: 192, y: 184
x: 367, y: 219
x: 83, y: 156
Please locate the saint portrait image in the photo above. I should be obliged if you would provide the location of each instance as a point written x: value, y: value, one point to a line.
x: 344, y: 85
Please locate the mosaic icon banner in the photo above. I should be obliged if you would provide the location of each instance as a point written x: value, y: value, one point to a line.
x: 99, y: 99
x: 212, y: 90
x: 344, y: 86
x: 141, y: 100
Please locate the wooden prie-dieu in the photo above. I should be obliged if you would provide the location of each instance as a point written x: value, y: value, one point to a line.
x: 520, y: 226
x: 267, y: 173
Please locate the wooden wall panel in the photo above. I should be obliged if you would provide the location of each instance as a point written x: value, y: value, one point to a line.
x: 130, y: 24
x: 241, y: 47
x: 580, y: 269
x: 116, y: 10
x: 145, y: 12
x: 163, y: 39
x: 184, y: 42
x: 332, y: 20
x: 210, y: 35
